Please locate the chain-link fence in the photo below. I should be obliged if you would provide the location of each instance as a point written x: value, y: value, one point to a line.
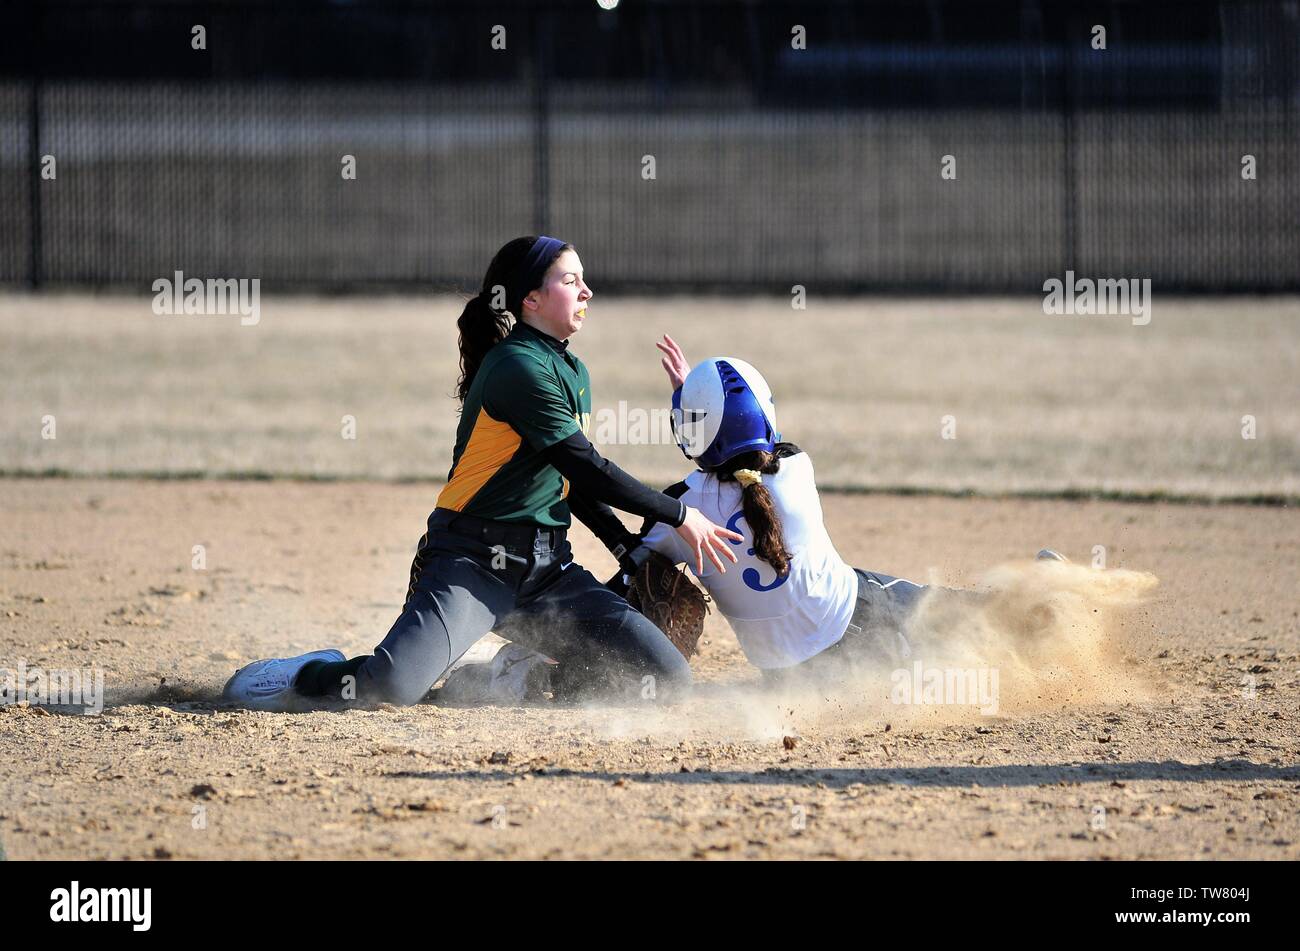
x: 969, y: 145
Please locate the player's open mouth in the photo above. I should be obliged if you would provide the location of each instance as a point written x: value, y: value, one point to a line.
x: 581, y: 313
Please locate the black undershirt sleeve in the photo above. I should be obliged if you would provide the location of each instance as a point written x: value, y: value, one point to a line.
x: 604, y: 524
x: 676, y: 491
x: 600, y: 480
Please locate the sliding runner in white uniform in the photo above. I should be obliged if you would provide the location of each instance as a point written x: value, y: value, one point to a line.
x: 793, y: 602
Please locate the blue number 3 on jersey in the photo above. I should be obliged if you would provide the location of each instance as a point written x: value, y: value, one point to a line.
x: 750, y: 575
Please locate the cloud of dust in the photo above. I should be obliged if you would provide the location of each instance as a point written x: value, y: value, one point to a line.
x: 1053, y: 630
x: 1030, y: 636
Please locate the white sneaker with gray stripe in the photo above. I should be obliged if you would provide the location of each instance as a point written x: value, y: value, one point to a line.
x: 268, y: 684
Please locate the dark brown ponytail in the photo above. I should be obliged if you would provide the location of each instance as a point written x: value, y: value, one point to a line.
x: 481, y: 329
x: 757, y: 504
x: 485, y: 321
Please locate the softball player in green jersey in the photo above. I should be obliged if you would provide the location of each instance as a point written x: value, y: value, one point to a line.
x: 496, y: 553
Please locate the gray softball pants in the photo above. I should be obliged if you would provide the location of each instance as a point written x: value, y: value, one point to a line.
x: 471, y: 576
x: 874, y: 635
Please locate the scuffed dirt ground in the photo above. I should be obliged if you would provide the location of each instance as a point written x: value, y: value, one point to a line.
x: 1201, y: 762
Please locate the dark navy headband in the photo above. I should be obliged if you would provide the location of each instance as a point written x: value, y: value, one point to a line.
x: 540, y: 257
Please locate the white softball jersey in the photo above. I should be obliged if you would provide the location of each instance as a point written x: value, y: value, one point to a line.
x: 779, y: 622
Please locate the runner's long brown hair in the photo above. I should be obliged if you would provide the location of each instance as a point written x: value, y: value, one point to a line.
x: 757, y: 504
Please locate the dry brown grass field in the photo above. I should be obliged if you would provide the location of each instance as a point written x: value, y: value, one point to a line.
x: 1038, y: 403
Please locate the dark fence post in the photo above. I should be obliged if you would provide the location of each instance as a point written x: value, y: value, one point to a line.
x: 541, y: 113
x: 34, y: 149
x: 1068, y: 169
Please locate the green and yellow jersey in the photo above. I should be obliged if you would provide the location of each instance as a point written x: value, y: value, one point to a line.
x: 529, y: 393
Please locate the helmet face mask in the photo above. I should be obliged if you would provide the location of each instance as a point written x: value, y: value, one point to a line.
x: 723, y: 408
x: 688, y: 427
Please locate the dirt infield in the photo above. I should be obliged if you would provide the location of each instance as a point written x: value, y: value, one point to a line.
x: 1195, y: 754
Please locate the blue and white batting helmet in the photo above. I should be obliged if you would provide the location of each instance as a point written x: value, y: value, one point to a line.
x: 723, y: 408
